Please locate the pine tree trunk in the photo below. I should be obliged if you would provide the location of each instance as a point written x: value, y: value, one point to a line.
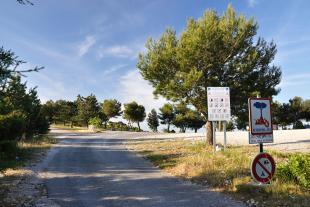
x: 139, y: 126
x: 209, y: 132
x: 168, y: 128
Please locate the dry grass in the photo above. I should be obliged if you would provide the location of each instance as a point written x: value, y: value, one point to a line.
x: 12, y: 173
x: 227, y: 171
x: 73, y: 129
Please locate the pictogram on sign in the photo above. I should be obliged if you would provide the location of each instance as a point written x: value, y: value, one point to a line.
x: 263, y: 168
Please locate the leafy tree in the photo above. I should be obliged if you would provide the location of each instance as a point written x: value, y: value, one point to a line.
x: 195, y: 120
x: 87, y: 108
x: 306, y: 109
x: 296, y: 107
x: 286, y: 116
x: 276, y: 112
x: 95, y: 121
x: 167, y: 115
x: 298, y: 125
x: 48, y: 110
x: 134, y: 113
x: 111, y: 108
x: 212, y: 51
x: 104, y: 118
x: 62, y: 111
x: 181, y: 117
x: 17, y: 101
x: 152, y: 120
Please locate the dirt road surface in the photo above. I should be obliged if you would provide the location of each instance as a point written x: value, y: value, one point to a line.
x: 85, y: 170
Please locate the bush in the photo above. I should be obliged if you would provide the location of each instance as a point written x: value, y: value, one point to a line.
x: 297, y: 169
x: 12, y: 125
x: 298, y: 125
x: 95, y: 121
x: 42, y: 125
x: 8, y: 150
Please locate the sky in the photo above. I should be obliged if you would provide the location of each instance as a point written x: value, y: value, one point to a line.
x: 92, y: 46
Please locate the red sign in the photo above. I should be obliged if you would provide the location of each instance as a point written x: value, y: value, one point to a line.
x: 263, y: 168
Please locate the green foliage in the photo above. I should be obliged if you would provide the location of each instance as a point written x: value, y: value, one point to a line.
x: 306, y: 109
x: 298, y: 125
x: 95, y: 121
x: 212, y: 51
x: 230, y: 126
x: 111, y: 108
x: 152, y: 120
x: 12, y: 125
x: 134, y: 113
x: 8, y: 149
x: 291, y: 113
x: 167, y: 115
x: 297, y: 169
x: 87, y: 108
x: 117, y: 126
x: 187, y: 118
x: 195, y: 120
x: 20, y: 111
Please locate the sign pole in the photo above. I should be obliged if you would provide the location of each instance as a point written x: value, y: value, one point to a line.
x: 224, y: 123
x: 214, y: 139
x: 261, y: 146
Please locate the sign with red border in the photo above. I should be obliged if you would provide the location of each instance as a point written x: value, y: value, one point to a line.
x: 260, y: 116
x: 263, y: 168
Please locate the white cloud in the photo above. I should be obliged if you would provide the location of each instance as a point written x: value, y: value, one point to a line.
x: 112, y: 69
x: 86, y: 45
x: 293, y: 80
x: 134, y: 88
x: 121, y: 51
x: 252, y: 3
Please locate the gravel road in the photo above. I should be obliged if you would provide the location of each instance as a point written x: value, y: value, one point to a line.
x: 97, y: 170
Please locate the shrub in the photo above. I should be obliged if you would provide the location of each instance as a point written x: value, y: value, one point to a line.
x: 298, y: 125
x: 95, y: 121
x: 8, y: 149
x: 297, y: 169
x: 12, y: 125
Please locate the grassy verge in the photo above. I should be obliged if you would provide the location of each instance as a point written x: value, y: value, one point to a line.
x: 227, y: 171
x: 69, y: 128
x: 15, y: 154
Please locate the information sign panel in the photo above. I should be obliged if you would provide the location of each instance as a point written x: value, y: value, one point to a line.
x: 218, y: 104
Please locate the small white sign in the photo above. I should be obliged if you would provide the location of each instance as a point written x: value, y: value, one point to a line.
x: 218, y: 104
x: 260, y: 116
x: 256, y: 139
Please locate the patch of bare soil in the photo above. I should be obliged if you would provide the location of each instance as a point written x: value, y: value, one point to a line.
x: 23, y: 188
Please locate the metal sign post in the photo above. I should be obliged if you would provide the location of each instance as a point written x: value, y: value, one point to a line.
x: 218, y: 108
x: 214, y: 134
x: 224, y: 123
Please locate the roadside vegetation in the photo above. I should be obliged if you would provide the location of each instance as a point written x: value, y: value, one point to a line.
x: 229, y: 171
x: 15, y: 154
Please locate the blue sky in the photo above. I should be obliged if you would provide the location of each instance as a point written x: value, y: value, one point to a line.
x: 91, y: 46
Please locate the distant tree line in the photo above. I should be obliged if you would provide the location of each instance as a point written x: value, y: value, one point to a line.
x: 85, y: 111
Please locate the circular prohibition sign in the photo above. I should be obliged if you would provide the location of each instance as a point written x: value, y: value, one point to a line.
x: 263, y: 168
